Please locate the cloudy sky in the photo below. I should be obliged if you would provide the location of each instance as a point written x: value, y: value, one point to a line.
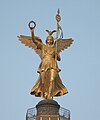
x: 80, y: 63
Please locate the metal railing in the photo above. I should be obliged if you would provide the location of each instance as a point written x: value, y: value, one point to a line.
x: 64, y: 114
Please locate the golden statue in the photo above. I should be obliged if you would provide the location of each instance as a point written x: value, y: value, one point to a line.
x: 49, y: 83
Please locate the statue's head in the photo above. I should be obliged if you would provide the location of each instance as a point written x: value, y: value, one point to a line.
x: 50, y: 39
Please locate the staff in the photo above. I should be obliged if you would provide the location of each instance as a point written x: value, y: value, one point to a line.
x: 58, y: 19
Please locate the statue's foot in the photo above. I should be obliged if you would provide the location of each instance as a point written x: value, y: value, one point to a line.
x: 50, y: 97
x: 42, y: 94
x: 45, y: 95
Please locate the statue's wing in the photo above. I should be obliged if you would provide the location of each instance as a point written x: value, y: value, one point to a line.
x: 63, y: 44
x: 27, y: 40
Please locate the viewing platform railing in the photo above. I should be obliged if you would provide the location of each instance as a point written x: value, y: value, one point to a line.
x: 64, y: 114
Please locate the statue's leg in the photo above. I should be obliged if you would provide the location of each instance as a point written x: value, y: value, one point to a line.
x: 42, y: 82
x: 52, y: 83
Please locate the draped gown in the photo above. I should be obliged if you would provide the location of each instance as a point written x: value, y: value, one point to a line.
x: 47, y: 63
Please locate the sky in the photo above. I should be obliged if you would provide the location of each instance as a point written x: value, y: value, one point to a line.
x: 80, y: 64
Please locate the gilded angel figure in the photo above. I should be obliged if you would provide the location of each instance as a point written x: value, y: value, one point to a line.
x: 49, y: 83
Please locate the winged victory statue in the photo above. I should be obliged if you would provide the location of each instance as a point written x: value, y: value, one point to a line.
x: 49, y: 83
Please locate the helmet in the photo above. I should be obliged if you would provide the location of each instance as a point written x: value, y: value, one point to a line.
x: 50, y: 39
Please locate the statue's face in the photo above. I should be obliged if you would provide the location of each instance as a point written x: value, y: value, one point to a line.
x: 49, y: 41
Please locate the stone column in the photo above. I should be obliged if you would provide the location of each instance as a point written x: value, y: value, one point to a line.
x: 47, y: 110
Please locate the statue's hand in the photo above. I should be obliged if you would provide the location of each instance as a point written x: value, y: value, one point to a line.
x: 32, y: 25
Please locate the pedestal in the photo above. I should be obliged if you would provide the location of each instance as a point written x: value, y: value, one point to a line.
x: 47, y: 107
x: 48, y: 110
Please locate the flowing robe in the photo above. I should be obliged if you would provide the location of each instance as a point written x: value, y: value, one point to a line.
x: 47, y: 63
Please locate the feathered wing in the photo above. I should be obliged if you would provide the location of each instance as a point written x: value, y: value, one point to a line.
x: 27, y: 40
x: 63, y: 44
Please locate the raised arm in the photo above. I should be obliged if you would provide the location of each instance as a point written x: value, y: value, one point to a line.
x: 32, y: 30
x: 32, y: 26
